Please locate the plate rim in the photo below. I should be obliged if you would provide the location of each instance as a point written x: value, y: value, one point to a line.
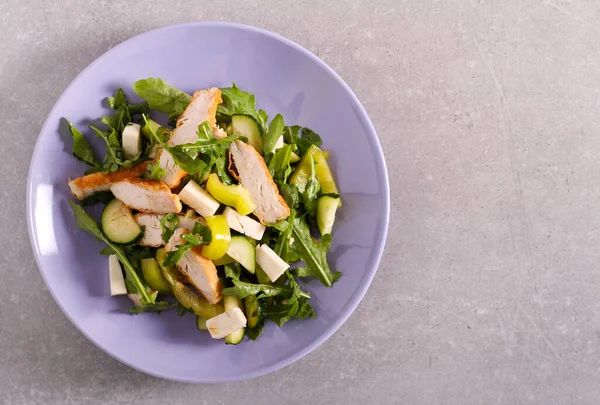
x: 354, y: 302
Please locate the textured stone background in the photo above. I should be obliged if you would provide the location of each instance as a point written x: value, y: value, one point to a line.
x: 488, y: 115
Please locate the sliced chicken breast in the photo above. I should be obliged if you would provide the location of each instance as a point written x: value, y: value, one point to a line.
x: 173, y: 173
x: 202, y: 107
x: 153, y: 232
x: 249, y: 167
x: 200, y: 271
x: 85, y: 186
x: 146, y: 196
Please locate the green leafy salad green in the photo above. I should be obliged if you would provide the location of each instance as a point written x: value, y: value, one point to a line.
x: 219, y: 212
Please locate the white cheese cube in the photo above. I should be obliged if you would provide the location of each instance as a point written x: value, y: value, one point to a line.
x: 228, y: 322
x: 273, y: 265
x: 244, y: 224
x: 279, y: 143
x: 194, y: 196
x: 132, y: 140
x: 117, y: 281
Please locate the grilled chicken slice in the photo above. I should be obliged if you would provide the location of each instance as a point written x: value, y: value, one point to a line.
x: 153, y: 231
x: 248, y: 166
x: 85, y: 186
x: 200, y: 271
x: 173, y: 173
x: 202, y: 107
x: 146, y: 195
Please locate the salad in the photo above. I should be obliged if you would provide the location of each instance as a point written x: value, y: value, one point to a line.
x: 220, y: 212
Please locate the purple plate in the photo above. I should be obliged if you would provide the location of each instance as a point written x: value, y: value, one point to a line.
x: 286, y: 79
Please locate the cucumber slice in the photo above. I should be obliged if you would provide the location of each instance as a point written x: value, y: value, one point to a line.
x: 244, y: 125
x: 261, y: 276
x: 223, y: 261
x: 294, y: 158
x: 326, y: 208
x: 230, y: 302
x: 154, y: 277
x: 255, y: 310
x: 118, y: 223
x: 201, y: 323
x: 149, y: 127
x: 242, y: 250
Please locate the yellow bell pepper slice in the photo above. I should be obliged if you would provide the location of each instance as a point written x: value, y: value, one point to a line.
x: 323, y: 172
x: 232, y: 195
x: 221, y: 237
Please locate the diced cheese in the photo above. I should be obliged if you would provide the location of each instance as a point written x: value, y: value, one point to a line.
x: 273, y: 265
x: 228, y: 322
x: 117, y: 281
x: 244, y: 224
x: 279, y: 143
x: 132, y: 140
x: 194, y: 196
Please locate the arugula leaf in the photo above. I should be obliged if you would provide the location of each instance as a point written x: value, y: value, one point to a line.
x: 282, y: 246
x: 297, y: 305
x: 184, y: 160
x: 162, y: 97
x: 236, y: 101
x: 255, y: 332
x: 301, y: 137
x: 313, y: 254
x: 233, y: 270
x: 121, y: 117
x: 203, y: 231
x: 279, y: 165
x: 154, y: 172
x: 275, y: 131
x: 290, y: 194
x: 200, y: 235
x: 311, y: 192
x: 157, y: 307
x: 307, y: 138
x: 213, y: 157
x: 263, y: 118
x: 138, y: 108
x: 99, y: 197
x: 82, y: 149
x: 204, y: 132
x: 168, y: 224
x: 88, y: 224
x: 134, y: 108
x: 243, y: 289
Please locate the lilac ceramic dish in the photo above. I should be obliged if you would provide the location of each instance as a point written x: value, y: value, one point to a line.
x: 287, y: 79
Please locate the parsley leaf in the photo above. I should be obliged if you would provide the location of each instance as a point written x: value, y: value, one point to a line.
x: 313, y: 254
x: 162, y: 97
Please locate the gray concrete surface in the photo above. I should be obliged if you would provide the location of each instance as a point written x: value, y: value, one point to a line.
x: 489, y: 116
